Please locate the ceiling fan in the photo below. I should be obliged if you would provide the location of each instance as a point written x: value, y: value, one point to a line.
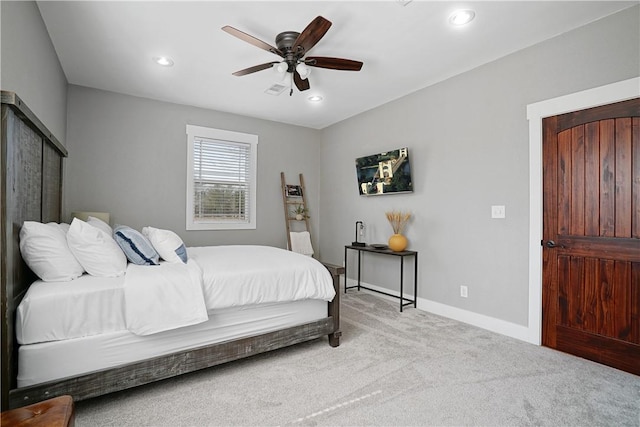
x: 292, y: 48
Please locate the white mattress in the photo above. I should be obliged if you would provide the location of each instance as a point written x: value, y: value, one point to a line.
x: 232, y: 276
x: 49, y: 361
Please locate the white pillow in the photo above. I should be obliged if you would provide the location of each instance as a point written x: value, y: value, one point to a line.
x: 98, y: 223
x: 44, y: 248
x: 167, y: 243
x: 96, y: 251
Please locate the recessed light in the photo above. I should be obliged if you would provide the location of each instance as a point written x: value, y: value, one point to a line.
x: 461, y: 17
x: 165, y: 61
x: 315, y: 98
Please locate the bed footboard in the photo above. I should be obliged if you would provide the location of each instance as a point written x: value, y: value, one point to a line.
x: 334, y: 306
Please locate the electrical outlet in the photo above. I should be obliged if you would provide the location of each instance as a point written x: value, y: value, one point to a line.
x: 498, y: 211
x: 464, y: 292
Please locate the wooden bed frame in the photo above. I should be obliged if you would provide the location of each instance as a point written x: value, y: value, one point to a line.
x: 31, y: 182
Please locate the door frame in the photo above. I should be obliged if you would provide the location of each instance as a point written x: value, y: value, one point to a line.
x: 603, y: 95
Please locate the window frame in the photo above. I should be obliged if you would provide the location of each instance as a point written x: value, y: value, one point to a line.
x: 233, y: 138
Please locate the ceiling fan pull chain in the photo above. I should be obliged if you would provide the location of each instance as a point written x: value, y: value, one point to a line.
x: 291, y: 90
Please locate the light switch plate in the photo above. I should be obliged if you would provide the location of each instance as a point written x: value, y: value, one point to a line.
x: 498, y: 211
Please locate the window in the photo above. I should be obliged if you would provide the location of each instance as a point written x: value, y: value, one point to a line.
x: 221, y: 181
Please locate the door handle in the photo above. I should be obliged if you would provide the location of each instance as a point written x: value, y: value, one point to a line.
x: 551, y: 244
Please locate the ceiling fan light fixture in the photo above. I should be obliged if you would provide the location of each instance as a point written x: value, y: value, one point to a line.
x: 303, y: 70
x: 281, y: 68
x: 165, y: 61
x: 461, y: 17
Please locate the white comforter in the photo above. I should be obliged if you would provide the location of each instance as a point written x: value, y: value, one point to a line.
x: 163, y: 297
x: 226, y: 276
x: 244, y: 275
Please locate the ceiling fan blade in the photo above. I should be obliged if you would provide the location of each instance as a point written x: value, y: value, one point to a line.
x: 312, y: 34
x: 301, y: 84
x: 255, y: 68
x: 252, y: 40
x: 333, y: 63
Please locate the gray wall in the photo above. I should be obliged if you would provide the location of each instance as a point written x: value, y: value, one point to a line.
x: 468, y: 142
x: 128, y: 156
x: 30, y: 66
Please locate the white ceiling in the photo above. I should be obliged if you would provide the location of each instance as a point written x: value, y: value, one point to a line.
x: 110, y: 44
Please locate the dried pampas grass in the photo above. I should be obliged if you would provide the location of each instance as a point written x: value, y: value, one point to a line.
x: 398, y: 220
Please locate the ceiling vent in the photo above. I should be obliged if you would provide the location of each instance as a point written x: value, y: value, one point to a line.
x: 276, y: 89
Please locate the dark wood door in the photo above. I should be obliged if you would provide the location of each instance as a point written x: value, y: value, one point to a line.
x: 591, y: 234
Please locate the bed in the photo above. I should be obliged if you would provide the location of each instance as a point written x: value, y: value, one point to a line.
x: 120, y: 351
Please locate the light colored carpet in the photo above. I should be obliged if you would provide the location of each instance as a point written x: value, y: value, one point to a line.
x: 392, y: 369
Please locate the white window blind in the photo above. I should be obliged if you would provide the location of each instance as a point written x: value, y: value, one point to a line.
x: 221, y: 194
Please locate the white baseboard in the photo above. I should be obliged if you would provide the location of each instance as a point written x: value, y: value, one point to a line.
x: 492, y: 324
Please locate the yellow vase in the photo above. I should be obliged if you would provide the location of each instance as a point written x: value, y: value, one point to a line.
x: 397, y: 243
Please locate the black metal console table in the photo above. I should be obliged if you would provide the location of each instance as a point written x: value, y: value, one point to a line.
x: 403, y: 301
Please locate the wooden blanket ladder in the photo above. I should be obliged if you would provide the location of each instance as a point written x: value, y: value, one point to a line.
x: 296, y: 210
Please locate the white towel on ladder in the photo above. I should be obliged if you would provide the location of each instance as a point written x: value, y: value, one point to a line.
x: 301, y: 242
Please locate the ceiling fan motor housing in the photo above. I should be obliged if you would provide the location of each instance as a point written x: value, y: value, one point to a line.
x: 286, y: 39
x: 284, y: 42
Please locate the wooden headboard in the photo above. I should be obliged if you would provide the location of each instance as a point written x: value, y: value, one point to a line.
x: 31, y: 182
